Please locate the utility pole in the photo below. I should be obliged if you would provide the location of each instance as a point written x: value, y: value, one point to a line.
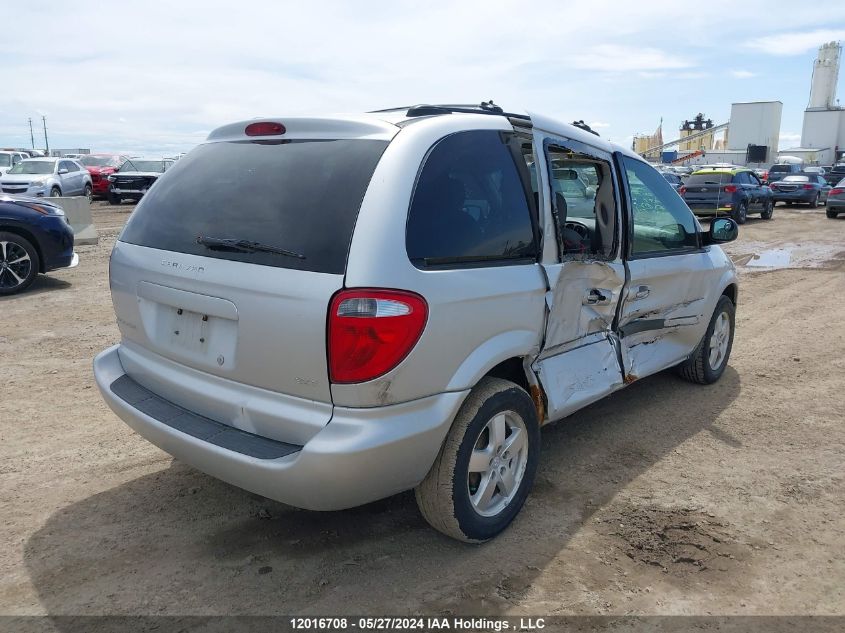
x: 46, y: 142
x: 31, y: 135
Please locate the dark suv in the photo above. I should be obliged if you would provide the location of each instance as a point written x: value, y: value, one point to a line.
x: 732, y: 191
x: 836, y: 174
x: 781, y: 171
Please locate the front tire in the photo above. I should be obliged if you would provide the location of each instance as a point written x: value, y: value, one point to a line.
x: 55, y: 192
x: 740, y: 215
x: 19, y: 263
x: 707, y: 363
x: 486, y: 466
x: 831, y: 213
x: 88, y: 193
x: 114, y: 198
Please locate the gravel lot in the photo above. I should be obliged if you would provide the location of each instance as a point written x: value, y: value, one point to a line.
x: 666, y: 498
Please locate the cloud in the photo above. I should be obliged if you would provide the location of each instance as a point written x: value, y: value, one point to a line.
x: 742, y: 74
x: 789, y: 139
x: 618, y: 58
x: 585, y: 59
x: 795, y: 43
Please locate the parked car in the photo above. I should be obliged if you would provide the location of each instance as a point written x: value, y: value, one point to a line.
x: 52, y: 177
x: 101, y: 166
x: 814, y: 169
x: 782, y: 170
x: 328, y: 311
x: 805, y: 188
x: 763, y: 175
x: 134, y: 177
x: 734, y: 192
x: 10, y: 158
x: 836, y: 174
x: 673, y: 179
x: 836, y: 200
x: 35, y: 237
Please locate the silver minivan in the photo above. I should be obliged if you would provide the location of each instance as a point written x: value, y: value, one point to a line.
x: 330, y: 310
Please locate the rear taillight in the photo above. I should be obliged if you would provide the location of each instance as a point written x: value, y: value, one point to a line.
x: 808, y: 186
x: 682, y: 190
x: 371, y: 331
x: 836, y: 191
x: 730, y: 188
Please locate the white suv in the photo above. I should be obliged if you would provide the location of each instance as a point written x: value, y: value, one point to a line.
x: 328, y: 311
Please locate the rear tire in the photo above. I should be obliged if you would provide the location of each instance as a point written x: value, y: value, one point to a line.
x: 814, y: 203
x: 497, y: 421
x: 740, y: 215
x: 768, y: 210
x: 19, y: 263
x: 831, y: 213
x: 707, y: 363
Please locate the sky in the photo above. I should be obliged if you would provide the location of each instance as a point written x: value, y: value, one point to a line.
x: 155, y: 77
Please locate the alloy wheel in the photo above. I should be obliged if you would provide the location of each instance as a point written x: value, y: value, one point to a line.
x: 15, y: 265
x: 719, y: 340
x: 497, y: 463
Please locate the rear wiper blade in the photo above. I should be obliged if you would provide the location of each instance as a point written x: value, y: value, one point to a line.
x: 244, y: 246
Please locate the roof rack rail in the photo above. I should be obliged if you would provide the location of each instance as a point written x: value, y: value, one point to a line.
x: 585, y: 127
x: 486, y: 107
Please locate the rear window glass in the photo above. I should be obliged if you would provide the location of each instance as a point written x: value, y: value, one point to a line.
x: 781, y: 168
x: 300, y: 196
x: 715, y: 178
x: 470, y: 205
x: 796, y: 179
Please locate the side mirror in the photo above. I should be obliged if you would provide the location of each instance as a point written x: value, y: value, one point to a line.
x: 721, y: 230
x: 62, y: 171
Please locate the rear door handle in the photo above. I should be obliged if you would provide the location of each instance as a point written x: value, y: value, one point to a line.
x: 597, y: 297
x: 642, y: 292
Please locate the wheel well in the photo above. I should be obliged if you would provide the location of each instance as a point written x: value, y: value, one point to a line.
x: 511, y: 369
x: 730, y: 293
x: 31, y: 239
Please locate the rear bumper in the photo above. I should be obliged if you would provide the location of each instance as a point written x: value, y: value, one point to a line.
x: 795, y: 196
x: 712, y: 211
x: 361, y: 455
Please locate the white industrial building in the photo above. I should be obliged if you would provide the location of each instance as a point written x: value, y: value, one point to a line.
x: 753, y: 132
x: 823, y: 132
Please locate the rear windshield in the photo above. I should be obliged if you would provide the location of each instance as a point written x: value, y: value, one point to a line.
x: 778, y: 168
x: 301, y: 196
x: 716, y: 178
x: 796, y: 179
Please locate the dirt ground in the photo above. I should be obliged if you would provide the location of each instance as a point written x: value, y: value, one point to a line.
x: 665, y: 498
